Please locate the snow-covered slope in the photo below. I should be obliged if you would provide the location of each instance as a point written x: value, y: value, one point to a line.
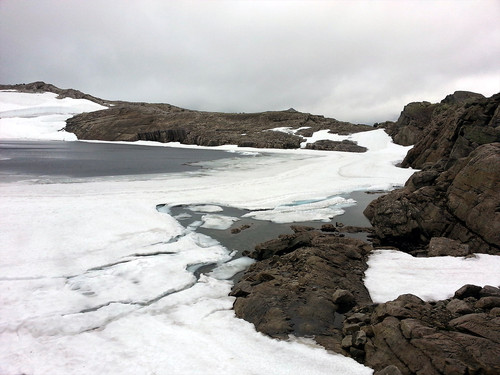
x: 39, y: 116
x: 95, y: 280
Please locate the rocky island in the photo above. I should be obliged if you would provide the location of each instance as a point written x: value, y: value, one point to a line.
x: 311, y: 283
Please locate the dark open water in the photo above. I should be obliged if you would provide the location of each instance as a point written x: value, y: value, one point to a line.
x: 47, y: 159
x: 38, y: 159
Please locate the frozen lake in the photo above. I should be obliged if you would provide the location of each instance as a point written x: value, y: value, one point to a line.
x: 39, y: 159
x: 102, y: 273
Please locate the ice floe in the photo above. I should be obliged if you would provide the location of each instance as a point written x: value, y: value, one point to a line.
x: 220, y: 222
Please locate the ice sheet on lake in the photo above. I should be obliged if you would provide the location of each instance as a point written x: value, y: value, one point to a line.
x: 205, y: 208
x: 321, y: 210
x: 391, y: 273
x: 220, y: 222
x: 95, y: 279
x: 229, y: 269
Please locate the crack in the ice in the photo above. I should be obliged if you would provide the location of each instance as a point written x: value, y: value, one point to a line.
x: 138, y: 255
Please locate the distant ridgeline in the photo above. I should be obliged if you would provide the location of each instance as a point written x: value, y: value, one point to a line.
x: 126, y: 121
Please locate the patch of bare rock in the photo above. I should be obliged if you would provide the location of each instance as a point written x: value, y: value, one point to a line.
x: 460, y: 335
x: 456, y: 194
x: 310, y: 284
x: 302, y: 283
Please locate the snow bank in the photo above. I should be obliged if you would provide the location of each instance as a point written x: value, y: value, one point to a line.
x: 39, y: 116
x: 391, y: 273
x: 98, y: 280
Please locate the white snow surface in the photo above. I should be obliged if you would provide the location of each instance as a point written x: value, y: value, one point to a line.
x: 96, y: 280
x: 39, y: 116
x: 323, y: 210
x: 392, y: 273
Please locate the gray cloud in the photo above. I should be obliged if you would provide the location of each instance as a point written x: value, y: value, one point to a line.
x: 358, y: 61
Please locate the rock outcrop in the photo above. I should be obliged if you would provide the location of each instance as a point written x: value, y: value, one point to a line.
x: 40, y: 87
x: 126, y: 121
x: 163, y: 123
x: 310, y: 284
x: 302, y: 284
x: 345, y: 145
x: 460, y: 335
x: 457, y: 194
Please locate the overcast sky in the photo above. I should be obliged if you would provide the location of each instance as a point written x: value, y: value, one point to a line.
x: 358, y: 61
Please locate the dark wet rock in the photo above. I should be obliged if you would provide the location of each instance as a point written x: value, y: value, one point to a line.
x: 301, y: 228
x: 329, y: 228
x: 240, y: 228
x: 468, y: 290
x: 417, y: 337
x: 328, y: 145
x: 299, y: 287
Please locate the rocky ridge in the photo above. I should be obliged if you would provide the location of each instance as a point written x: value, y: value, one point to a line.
x: 128, y: 121
x: 302, y: 282
x: 456, y: 195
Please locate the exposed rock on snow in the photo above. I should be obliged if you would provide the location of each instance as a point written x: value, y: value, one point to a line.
x: 460, y: 335
x: 300, y: 284
x: 345, y: 145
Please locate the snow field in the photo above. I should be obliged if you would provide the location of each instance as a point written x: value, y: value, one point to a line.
x: 39, y: 116
x: 95, y: 279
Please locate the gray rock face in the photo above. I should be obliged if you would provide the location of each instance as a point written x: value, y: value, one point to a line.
x: 457, y: 194
x: 416, y: 337
x: 460, y: 203
x: 411, y: 124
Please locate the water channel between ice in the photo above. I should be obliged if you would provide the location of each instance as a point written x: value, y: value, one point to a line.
x: 239, y: 234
